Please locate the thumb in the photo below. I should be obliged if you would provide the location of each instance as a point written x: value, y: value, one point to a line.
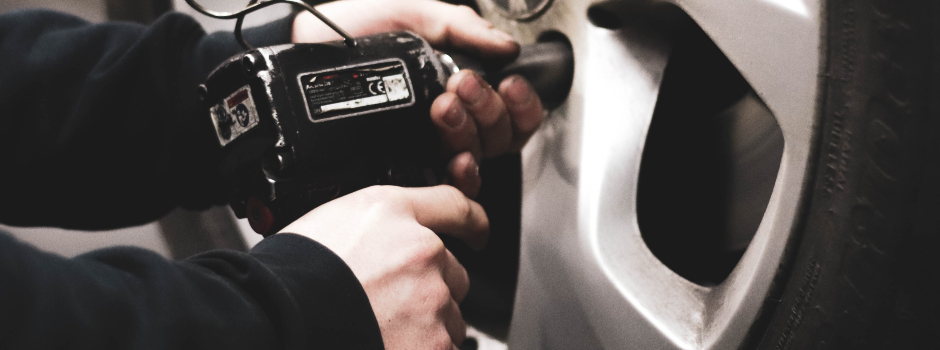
x: 458, y: 27
x: 441, y: 24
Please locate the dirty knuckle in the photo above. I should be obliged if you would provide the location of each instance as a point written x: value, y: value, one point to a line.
x: 490, y: 120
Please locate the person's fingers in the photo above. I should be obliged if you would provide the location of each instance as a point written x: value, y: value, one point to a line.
x: 465, y: 174
x: 486, y: 108
x: 458, y: 131
x: 455, y: 276
x: 444, y: 209
x: 525, y: 109
x: 459, y: 27
x: 441, y: 24
x: 356, y: 17
x: 453, y: 321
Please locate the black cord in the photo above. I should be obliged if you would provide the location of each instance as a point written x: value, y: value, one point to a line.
x: 254, y: 5
x: 238, y: 29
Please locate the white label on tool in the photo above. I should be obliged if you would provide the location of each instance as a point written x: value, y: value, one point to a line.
x: 396, y: 86
x: 235, y: 115
x: 362, y: 102
x: 350, y: 91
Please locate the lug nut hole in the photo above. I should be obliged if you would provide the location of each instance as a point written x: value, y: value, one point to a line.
x: 603, y: 18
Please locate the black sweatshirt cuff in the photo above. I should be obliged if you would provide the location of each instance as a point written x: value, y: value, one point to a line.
x: 334, y: 307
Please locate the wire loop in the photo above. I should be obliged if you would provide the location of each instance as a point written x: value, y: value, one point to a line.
x: 254, y: 5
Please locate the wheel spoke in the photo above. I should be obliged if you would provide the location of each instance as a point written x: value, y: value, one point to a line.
x: 589, y: 149
x: 775, y: 45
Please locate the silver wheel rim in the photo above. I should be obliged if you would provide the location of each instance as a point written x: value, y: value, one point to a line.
x: 586, y: 277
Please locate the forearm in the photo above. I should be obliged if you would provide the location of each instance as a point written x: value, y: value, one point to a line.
x: 100, y: 127
x: 289, y: 292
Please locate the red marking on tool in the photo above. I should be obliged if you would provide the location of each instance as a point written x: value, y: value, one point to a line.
x: 238, y: 98
x: 259, y: 216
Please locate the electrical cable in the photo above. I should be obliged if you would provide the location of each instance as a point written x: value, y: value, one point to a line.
x: 254, y: 5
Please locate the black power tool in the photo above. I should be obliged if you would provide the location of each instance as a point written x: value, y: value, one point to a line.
x: 302, y: 124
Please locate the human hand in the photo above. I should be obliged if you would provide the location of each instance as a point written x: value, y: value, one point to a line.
x: 386, y: 235
x: 474, y: 120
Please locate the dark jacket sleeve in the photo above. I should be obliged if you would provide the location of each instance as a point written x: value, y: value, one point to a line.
x: 289, y: 292
x: 98, y: 130
x: 98, y: 122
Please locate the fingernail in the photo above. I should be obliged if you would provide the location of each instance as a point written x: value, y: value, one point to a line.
x: 470, y: 90
x: 473, y: 170
x: 501, y: 35
x: 519, y: 92
x: 455, y: 116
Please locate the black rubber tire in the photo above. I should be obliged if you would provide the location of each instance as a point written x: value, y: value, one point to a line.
x: 864, y: 271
